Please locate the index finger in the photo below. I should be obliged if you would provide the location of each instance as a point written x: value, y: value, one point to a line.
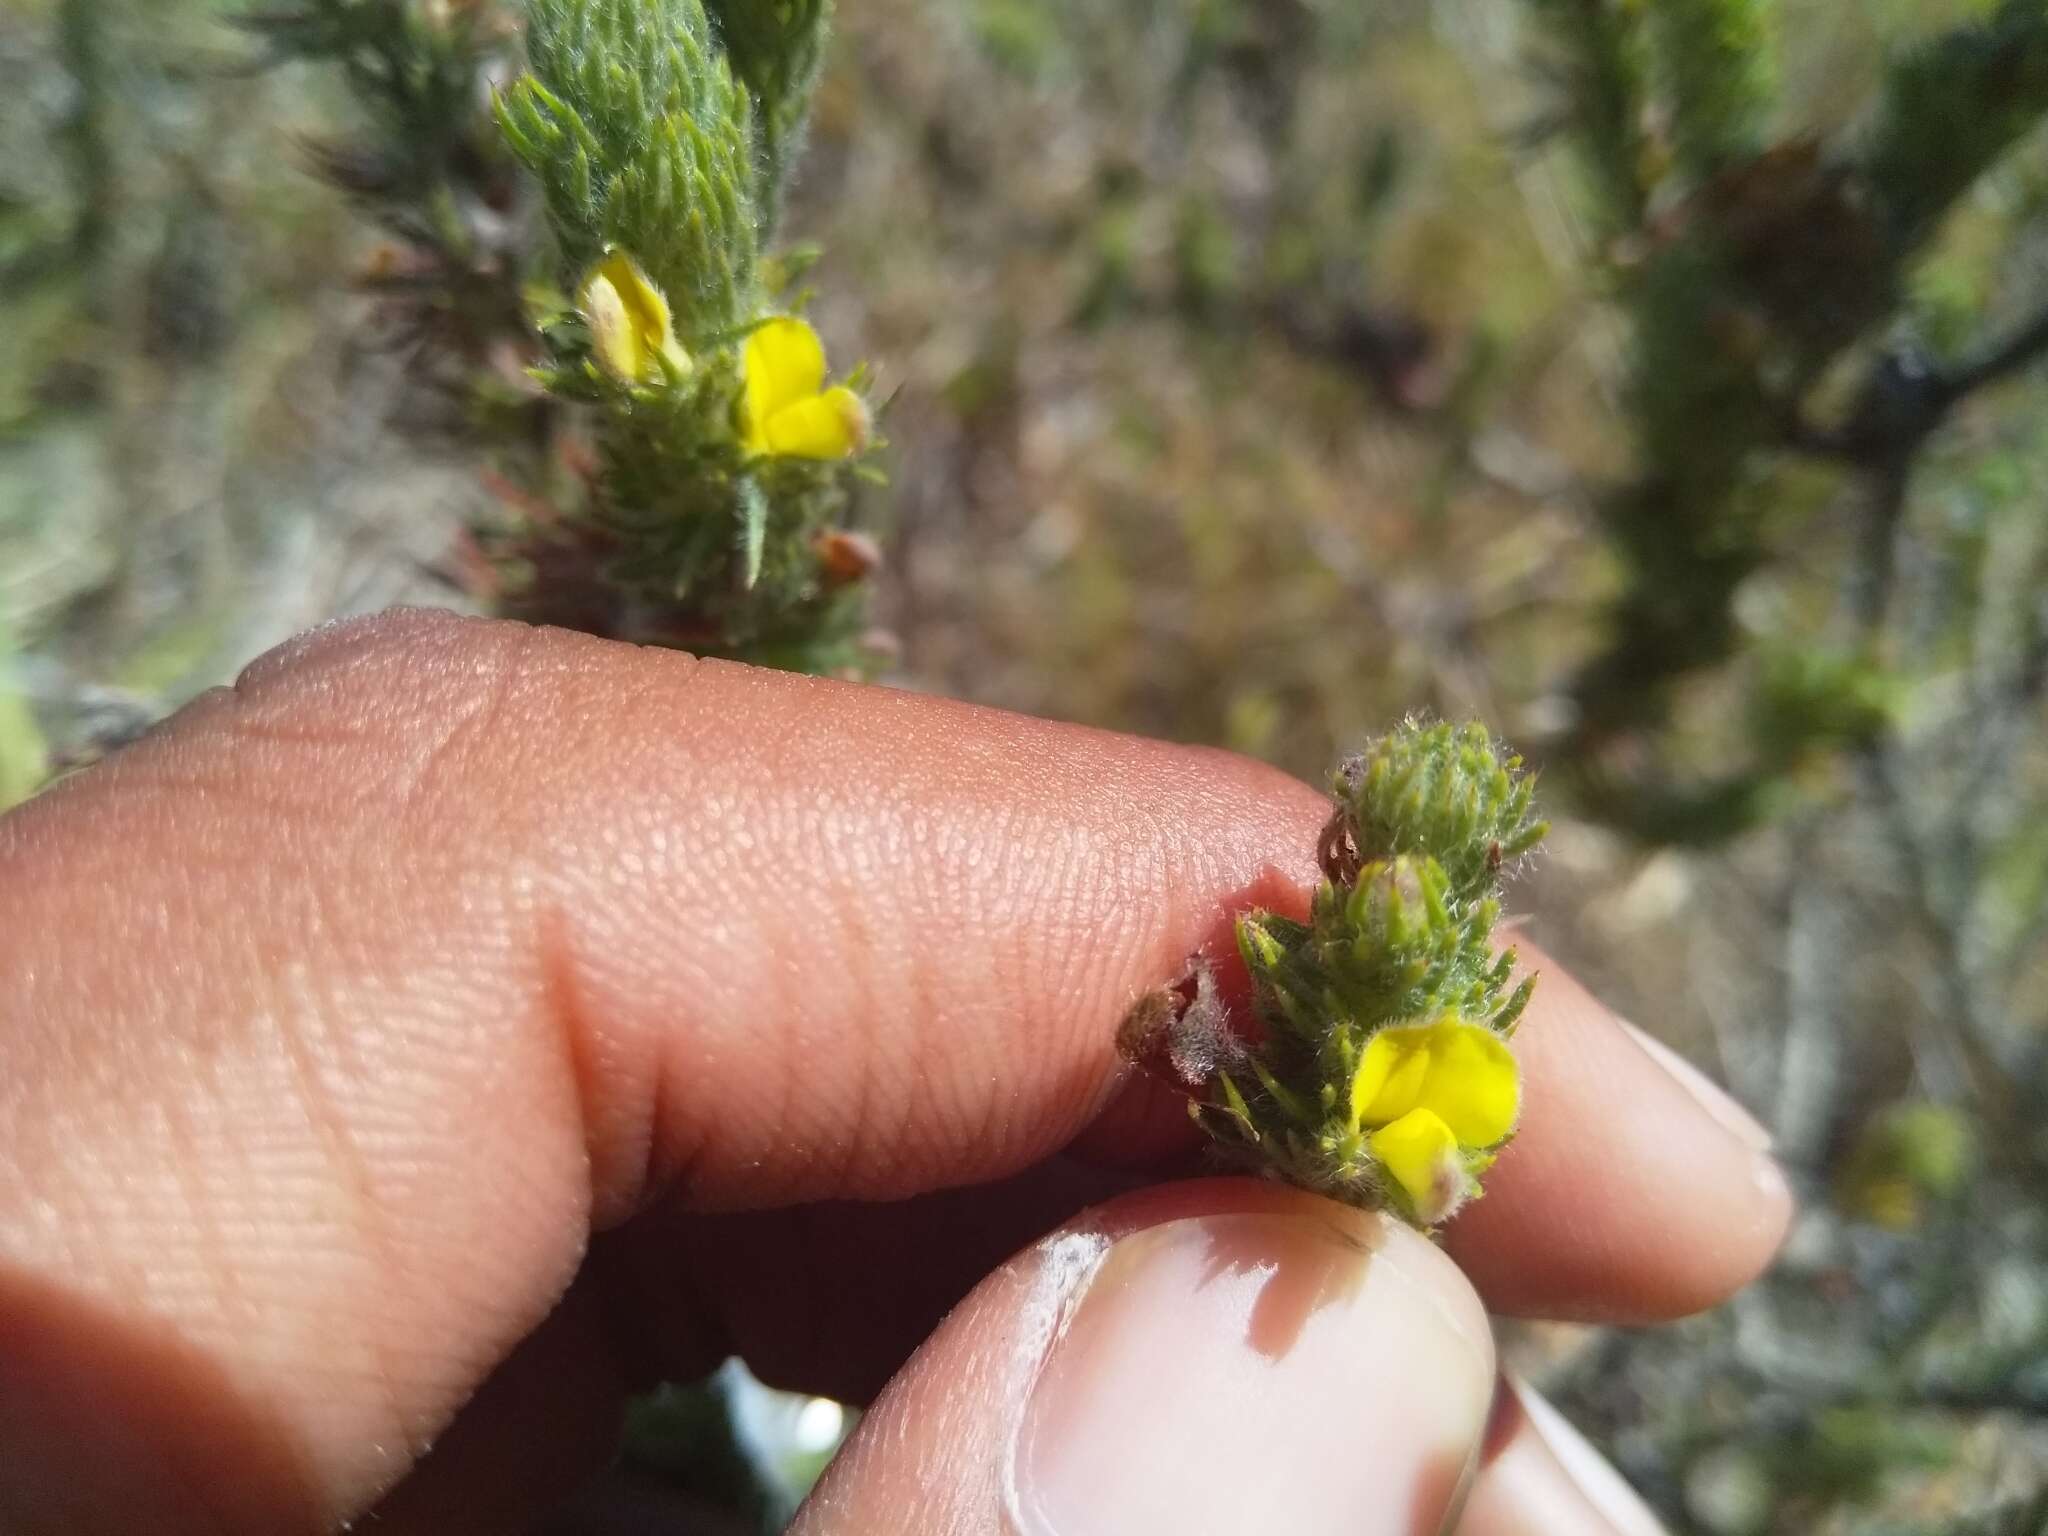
x: 346, y: 1005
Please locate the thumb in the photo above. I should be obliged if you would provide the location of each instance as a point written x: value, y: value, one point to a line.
x: 1219, y: 1356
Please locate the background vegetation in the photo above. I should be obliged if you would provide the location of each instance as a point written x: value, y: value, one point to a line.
x: 1652, y: 381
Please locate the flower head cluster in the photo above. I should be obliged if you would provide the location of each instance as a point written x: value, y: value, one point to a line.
x: 724, y: 463
x: 1378, y: 1071
x: 785, y: 408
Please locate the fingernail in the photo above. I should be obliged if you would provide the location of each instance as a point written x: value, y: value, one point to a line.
x: 1258, y: 1372
x: 1549, y: 1482
x: 1710, y: 1095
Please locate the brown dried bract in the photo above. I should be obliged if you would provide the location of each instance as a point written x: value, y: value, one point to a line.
x: 845, y: 557
x: 1182, y: 1033
x: 1337, y: 848
x: 1141, y: 1037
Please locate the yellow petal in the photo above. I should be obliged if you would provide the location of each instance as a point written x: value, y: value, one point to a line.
x: 785, y: 363
x: 1391, y: 1074
x: 827, y: 426
x: 644, y: 302
x: 1421, y: 1153
x: 612, y: 333
x: 629, y: 320
x: 1473, y: 1085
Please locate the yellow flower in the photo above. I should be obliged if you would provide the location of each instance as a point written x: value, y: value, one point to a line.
x: 629, y: 322
x: 1435, y: 1097
x: 788, y: 411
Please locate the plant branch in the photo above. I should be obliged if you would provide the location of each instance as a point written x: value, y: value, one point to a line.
x: 2007, y: 356
x: 1907, y: 398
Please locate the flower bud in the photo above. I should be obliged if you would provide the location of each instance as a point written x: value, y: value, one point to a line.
x: 845, y: 557
x: 629, y: 323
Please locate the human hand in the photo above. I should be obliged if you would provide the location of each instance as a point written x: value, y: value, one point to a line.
x: 411, y: 1049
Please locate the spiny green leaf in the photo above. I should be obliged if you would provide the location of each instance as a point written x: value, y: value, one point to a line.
x: 753, y: 510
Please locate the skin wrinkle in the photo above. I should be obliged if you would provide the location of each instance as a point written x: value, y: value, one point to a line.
x: 225, y: 1298
x: 736, y: 946
x: 859, y: 1119
x: 250, y: 712
x: 1082, y: 937
x: 679, y: 1144
x: 881, y: 1055
x: 1126, y: 934
x: 295, y: 692
x: 844, y: 835
x: 555, y: 984
x: 821, y: 828
x: 935, y: 1112
x: 314, y: 655
x: 1073, y: 930
x: 938, y: 857
x: 377, y: 1246
x: 419, y: 796
x: 658, y: 1155
x: 793, y: 1032
x: 258, y: 731
x: 492, y: 1317
x: 1166, y: 865
x: 192, y: 786
x: 673, y: 1144
x: 323, y: 1060
x: 101, y: 1068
